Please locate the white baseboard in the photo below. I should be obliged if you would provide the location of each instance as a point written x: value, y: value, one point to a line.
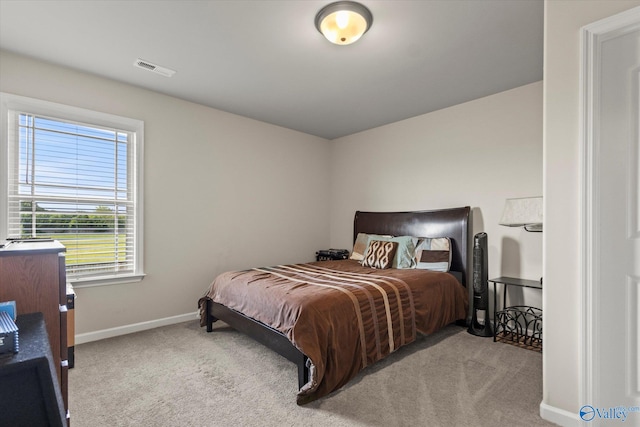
x: 135, y: 327
x: 559, y: 416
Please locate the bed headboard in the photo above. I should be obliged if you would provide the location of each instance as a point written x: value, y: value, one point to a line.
x: 452, y: 223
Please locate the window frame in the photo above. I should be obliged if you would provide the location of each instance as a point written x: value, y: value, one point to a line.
x: 11, y: 102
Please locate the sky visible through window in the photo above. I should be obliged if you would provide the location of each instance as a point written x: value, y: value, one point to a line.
x: 69, y: 167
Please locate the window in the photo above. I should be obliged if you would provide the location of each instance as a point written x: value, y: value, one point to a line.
x: 74, y: 176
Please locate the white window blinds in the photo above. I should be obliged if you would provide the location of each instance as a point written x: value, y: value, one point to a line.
x: 75, y: 182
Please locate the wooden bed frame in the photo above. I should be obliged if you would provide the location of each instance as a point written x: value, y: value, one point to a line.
x: 452, y: 223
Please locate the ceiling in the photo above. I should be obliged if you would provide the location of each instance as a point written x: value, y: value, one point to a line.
x: 266, y: 60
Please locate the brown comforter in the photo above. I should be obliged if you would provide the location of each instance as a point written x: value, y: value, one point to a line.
x: 341, y: 315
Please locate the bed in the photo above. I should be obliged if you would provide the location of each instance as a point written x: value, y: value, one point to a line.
x: 335, y: 318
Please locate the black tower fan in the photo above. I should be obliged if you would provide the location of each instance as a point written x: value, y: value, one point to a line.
x: 480, y: 288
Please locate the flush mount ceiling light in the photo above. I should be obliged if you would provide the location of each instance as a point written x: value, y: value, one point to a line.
x: 343, y: 22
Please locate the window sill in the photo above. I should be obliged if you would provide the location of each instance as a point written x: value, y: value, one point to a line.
x: 105, y: 280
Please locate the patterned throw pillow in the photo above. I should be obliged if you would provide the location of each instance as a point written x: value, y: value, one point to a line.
x: 433, y: 254
x: 404, y: 254
x: 380, y: 254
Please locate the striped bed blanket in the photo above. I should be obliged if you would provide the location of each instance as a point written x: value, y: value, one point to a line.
x: 341, y: 315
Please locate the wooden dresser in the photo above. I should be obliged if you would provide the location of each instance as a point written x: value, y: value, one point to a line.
x: 33, y: 275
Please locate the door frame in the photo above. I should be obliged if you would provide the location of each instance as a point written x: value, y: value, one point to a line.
x: 592, y: 37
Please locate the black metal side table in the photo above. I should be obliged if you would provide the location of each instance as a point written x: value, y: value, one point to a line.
x: 520, y: 325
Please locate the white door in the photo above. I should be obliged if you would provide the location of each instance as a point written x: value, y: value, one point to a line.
x: 611, y: 257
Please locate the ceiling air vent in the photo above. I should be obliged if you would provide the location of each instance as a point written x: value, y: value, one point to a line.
x: 146, y: 65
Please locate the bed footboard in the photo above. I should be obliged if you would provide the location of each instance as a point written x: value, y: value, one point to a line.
x: 261, y: 333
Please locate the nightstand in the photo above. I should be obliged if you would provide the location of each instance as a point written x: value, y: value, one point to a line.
x: 519, y: 325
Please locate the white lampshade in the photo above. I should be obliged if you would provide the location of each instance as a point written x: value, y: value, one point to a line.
x: 343, y: 22
x: 523, y: 212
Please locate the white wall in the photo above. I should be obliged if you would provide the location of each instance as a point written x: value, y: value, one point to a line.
x: 478, y: 154
x: 561, y: 375
x: 225, y: 192
x: 221, y: 192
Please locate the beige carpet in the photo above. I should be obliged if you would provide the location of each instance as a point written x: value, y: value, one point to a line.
x: 180, y: 375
